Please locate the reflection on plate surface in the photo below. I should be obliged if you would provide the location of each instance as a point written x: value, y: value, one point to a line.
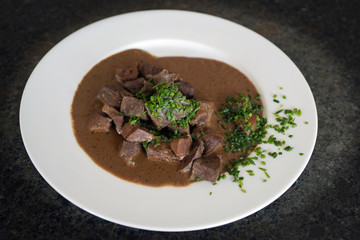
x: 66, y: 167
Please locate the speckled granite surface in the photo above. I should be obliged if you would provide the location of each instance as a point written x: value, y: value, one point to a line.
x: 321, y: 37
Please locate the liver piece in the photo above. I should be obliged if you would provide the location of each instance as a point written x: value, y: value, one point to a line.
x: 206, y: 168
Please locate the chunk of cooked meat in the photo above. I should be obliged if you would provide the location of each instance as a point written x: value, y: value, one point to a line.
x: 134, y: 133
x: 181, y: 146
x: 206, y: 168
x: 210, y: 138
x: 131, y: 106
x: 99, y: 123
x: 135, y: 85
x: 123, y: 75
x: 112, y: 94
x: 195, y: 153
x: 110, y: 111
x: 186, y: 89
x: 148, y: 88
x: 147, y: 68
x: 161, y: 152
x: 164, y: 76
x: 203, y: 115
x: 128, y: 150
x: 116, y: 116
x: 158, y: 120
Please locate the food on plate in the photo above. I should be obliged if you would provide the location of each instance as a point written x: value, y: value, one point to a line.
x: 166, y: 120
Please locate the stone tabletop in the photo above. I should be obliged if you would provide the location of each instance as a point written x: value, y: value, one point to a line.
x: 321, y: 37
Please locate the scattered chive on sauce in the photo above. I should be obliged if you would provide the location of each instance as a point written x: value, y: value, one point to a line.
x: 236, y: 113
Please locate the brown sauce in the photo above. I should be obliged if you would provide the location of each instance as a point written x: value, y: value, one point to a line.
x: 211, y: 79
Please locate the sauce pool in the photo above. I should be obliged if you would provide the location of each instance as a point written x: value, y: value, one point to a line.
x: 212, y: 80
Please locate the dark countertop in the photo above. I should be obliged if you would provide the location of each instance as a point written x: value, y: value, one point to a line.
x: 321, y: 37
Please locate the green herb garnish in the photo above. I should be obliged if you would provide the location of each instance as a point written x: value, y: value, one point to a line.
x: 251, y: 172
x: 288, y: 148
x: 265, y: 171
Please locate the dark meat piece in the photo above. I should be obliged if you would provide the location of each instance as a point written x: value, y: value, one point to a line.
x: 131, y: 106
x: 134, y: 133
x: 162, y: 152
x: 123, y: 75
x: 203, y: 115
x: 110, y: 111
x: 148, y: 88
x: 250, y: 126
x: 206, y: 168
x: 181, y: 146
x: 159, y: 120
x: 186, y: 89
x: 135, y: 85
x: 183, y: 130
x: 115, y: 116
x: 164, y: 76
x: 146, y: 69
x: 208, y: 136
x: 99, y: 123
x: 112, y: 94
x: 195, y: 153
x: 128, y: 151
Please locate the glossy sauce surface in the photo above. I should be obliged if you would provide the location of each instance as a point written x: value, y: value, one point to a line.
x: 211, y: 79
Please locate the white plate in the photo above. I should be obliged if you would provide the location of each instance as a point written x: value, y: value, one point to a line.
x: 47, y: 133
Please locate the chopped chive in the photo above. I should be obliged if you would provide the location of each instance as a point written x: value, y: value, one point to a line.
x: 272, y: 154
x: 145, y: 145
x: 301, y: 154
x: 251, y: 173
x: 264, y: 170
x: 306, y: 122
x: 288, y: 148
x: 241, y: 138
